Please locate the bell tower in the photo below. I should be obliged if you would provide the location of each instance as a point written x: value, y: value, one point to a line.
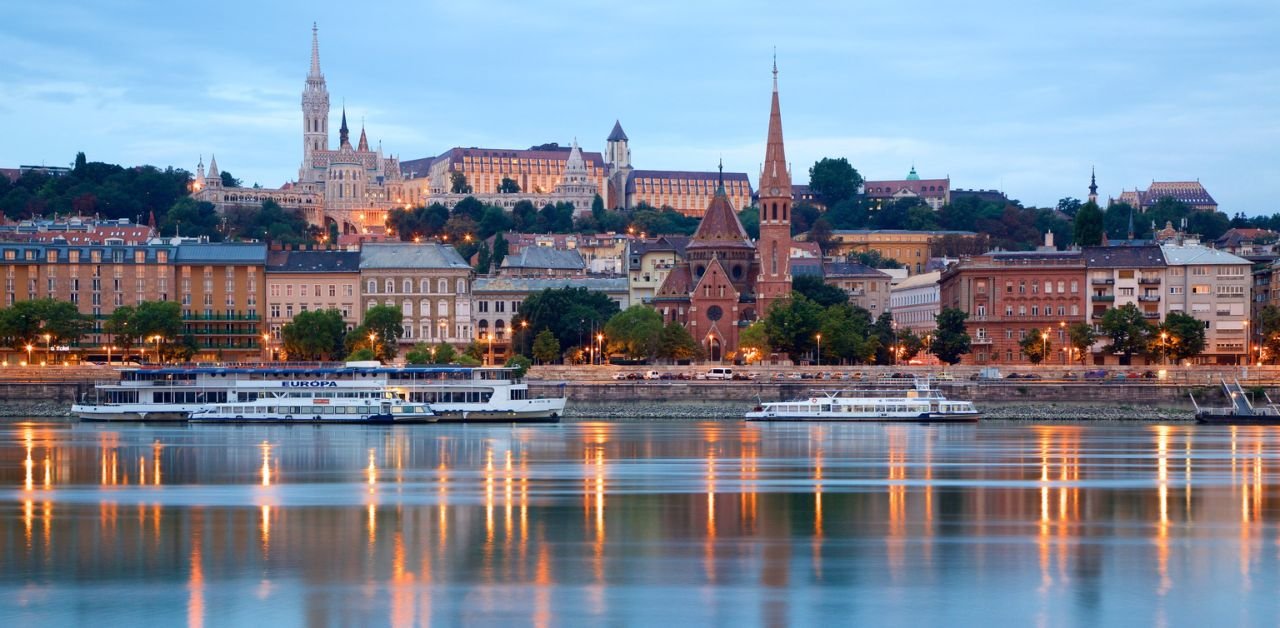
x: 774, y: 246
x: 315, y: 111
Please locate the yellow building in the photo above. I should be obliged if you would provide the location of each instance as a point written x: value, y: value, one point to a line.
x: 912, y: 249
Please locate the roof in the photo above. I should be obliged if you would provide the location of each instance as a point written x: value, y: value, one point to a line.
x: 1237, y: 236
x: 516, y: 284
x: 898, y: 232
x: 917, y: 186
x: 918, y: 281
x: 1186, y: 255
x: 677, y: 284
x: 1189, y: 192
x: 234, y: 252
x: 617, y: 134
x: 686, y: 175
x: 313, y: 262
x: 416, y: 168
x: 805, y: 267
x: 852, y: 269
x: 720, y: 227
x: 805, y: 250
x: 1143, y: 256
x: 545, y: 257
x: 406, y: 255
x: 456, y: 154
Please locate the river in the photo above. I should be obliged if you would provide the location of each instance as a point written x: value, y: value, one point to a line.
x: 641, y: 523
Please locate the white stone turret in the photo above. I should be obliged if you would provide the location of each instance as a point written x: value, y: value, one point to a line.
x: 315, y: 113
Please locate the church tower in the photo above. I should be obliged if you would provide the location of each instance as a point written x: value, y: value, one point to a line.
x: 1093, y: 186
x: 617, y: 158
x: 315, y: 112
x: 774, y: 246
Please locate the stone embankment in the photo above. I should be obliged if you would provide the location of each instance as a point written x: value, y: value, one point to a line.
x: 991, y: 411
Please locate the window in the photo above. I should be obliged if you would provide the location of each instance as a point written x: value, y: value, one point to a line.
x: 462, y: 286
x: 390, y: 286
x: 1022, y: 310
x: 346, y: 290
x: 372, y: 288
x: 1061, y: 286
x: 1175, y: 289
x: 333, y: 290
x: 1200, y: 288
x: 1035, y: 310
x: 408, y: 286
x: 482, y: 307
x: 1008, y: 310
x: 1126, y: 292
x: 1048, y: 287
x: 1075, y: 286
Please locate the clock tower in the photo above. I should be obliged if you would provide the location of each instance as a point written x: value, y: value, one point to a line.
x: 774, y: 246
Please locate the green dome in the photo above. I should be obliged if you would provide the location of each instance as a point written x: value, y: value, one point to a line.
x: 912, y: 176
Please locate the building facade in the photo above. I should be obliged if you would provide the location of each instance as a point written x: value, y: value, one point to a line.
x: 866, y: 287
x: 544, y: 175
x: 687, y: 192
x: 1007, y: 295
x: 497, y: 300
x: 649, y: 261
x: 301, y: 281
x: 430, y: 283
x: 915, y: 303
x: 934, y: 192
x: 1213, y: 286
x: 912, y: 249
x: 222, y: 290
x: 1191, y: 193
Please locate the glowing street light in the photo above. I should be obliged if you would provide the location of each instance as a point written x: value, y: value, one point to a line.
x: 48, y: 339
x: 819, y: 336
x: 600, y: 347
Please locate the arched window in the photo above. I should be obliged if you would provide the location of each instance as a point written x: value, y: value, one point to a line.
x: 424, y: 308
x: 406, y: 308
x: 462, y: 286
x: 424, y: 286
x: 442, y: 308
x: 408, y: 286
x: 442, y: 286
x: 390, y: 286
x: 373, y: 287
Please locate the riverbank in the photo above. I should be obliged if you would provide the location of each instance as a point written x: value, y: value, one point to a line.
x: 1010, y: 411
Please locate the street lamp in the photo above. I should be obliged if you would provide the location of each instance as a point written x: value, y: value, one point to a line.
x: 1044, y: 345
x: 489, y: 336
x: 29, y: 348
x: 1246, y: 342
x: 266, y: 346
x: 373, y: 343
x: 600, y: 347
x: 47, y: 341
x: 1062, y: 337
x: 1164, y: 345
x: 524, y: 335
x: 156, y: 338
x: 819, y: 349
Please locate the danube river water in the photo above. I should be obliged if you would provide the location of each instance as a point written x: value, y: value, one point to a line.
x: 643, y: 523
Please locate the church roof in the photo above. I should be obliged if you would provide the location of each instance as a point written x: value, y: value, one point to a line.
x: 720, y: 227
x: 617, y: 134
x: 678, y: 284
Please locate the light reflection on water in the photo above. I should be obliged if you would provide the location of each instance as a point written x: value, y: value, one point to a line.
x: 998, y: 523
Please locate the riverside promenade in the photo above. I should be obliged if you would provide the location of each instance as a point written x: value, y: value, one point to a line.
x: 683, y: 392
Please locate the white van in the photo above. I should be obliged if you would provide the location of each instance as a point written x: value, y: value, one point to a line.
x: 720, y: 372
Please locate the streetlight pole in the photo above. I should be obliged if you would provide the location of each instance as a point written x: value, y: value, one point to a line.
x: 373, y: 343
x: 47, y: 348
x: 1246, y: 343
x: 1044, y: 346
x: 819, y: 349
x: 600, y: 347
x: 29, y: 348
x: 489, y: 336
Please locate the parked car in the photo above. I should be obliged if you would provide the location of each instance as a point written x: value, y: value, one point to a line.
x: 720, y: 372
x: 652, y: 375
x: 619, y: 376
x: 1098, y: 374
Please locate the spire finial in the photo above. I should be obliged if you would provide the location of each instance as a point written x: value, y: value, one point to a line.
x: 775, y: 68
x: 315, y: 50
x: 720, y: 177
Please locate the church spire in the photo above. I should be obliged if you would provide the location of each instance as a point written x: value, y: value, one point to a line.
x: 344, y: 135
x: 364, y: 141
x: 775, y: 181
x: 315, y: 52
x: 1093, y: 185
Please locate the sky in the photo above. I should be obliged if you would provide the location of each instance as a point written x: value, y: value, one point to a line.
x: 1023, y: 96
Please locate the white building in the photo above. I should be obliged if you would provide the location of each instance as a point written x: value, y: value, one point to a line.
x: 915, y: 303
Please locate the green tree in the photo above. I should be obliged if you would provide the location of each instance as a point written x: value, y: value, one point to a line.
x: 753, y: 342
x: 750, y: 219
x: 572, y: 314
x: 909, y: 345
x: 1269, y: 329
x: 508, y: 186
x: 678, y: 344
x: 886, y: 339
x: 1128, y: 331
x: 158, y: 318
x: 951, y: 341
x: 846, y: 335
x: 792, y: 326
x: 1070, y: 205
x: 193, y: 218
x: 119, y: 327
x: 1088, y: 225
x: 63, y: 322
x: 380, y: 332
x: 834, y: 180
x: 1082, y: 337
x: 1180, y: 337
x: 1035, y: 345
x: 362, y: 354
x: 315, y: 335
x: 458, y: 183
x: 445, y: 354
x: 475, y: 351
x: 419, y: 354
x: 520, y: 363
x: 818, y: 291
x: 20, y: 323
x: 635, y: 332
x: 80, y: 163
x: 500, y: 250
x: 546, y: 348
x: 229, y: 181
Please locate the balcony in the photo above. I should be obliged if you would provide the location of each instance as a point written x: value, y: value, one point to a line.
x: 1104, y: 298
x: 1102, y: 282
x: 986, y: 340
x: 1149, y: 298
x: 1151, y: 315
x: 1149, y: 281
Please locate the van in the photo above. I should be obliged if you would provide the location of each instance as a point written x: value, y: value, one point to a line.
x: 720, y: 372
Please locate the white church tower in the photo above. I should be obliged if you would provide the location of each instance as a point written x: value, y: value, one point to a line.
x: 315, y: 112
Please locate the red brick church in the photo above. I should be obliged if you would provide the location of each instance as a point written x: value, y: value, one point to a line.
x: 725, y: 282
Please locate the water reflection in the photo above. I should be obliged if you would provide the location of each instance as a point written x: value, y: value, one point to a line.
x: 691, y: 523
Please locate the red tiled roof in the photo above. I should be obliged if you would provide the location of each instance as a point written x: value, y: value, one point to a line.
x: 919, y: 187
x: 720, y: 227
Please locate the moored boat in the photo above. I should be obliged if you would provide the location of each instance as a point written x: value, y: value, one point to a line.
x: 920, y: 403
x: 1242, y: 410
x: 323, y: 407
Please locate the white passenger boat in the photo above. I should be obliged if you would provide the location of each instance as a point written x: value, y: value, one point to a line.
x: 333, y: 405
x: 453, y: 393
x: 920, y: 403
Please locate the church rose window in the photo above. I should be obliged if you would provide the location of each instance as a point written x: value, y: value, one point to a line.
x: 714, y: 313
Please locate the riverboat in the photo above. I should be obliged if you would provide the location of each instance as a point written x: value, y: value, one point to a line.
x: 920, y: 403
x: 1242, y: 410
x: 453, y: 393
x: 321, y: 406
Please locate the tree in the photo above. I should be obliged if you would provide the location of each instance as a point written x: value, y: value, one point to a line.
x: 846, y: 334
x: 458, y: 183
x: 63, y: 322
x: 363, y: 354
x: 1088, y: 225
x: 508, y: 186
x: 677, y: 344
x: 834, y: 180
x: 520, y: 363
x: 192, y: 218
x: 1081, y: 336
x: 750, y: 219
x: 753, y: 343
x: 419, y: 354
x: 118, y: 326
x: 818, y: 291
x: 1035, y: 345
x: 1070, y: 205
x: 820, y: 233
x: 444, y: 354
x: 475, y: 351
x: 886, y: 339
x: 572, y: 314
x: 792, y: 326
x: 271, y: 223
x: 951, y: 341
x: 1128, y: 331
x: 80, y: 163
x: 1180, y: 337
x: 315, y: 335
x: 1269, y: 329
x: 385, y: 323
x: 546, y: 348
x: 229, y: 181
x: 500, y: 250
x: 635, y: 332
x: 909, y: 345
